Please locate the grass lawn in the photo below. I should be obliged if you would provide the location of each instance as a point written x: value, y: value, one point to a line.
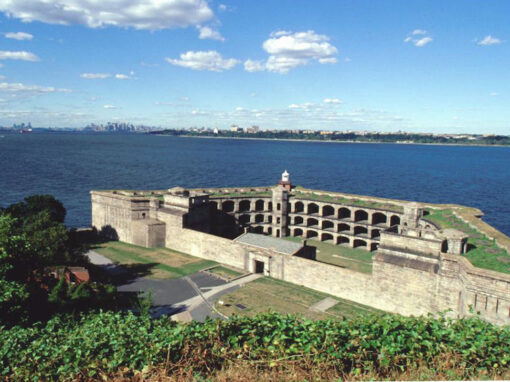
x: 268, y: 294
x: 482, y: 251
x: 352, y: 258
x: 225, y: 273
x: 164, y: 263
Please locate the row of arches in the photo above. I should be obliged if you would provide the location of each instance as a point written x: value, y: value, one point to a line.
x: 342, y: 213
x: 338, y: 240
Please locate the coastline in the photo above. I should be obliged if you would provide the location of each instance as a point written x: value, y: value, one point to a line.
x: 332, y: 141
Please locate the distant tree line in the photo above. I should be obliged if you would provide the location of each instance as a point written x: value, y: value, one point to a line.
x: 351, y: 137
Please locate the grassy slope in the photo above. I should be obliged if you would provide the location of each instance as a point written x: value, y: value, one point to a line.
x: 268, y: 294
x: 166, y: 263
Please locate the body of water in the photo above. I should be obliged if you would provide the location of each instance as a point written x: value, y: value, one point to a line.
x: 69, y: 165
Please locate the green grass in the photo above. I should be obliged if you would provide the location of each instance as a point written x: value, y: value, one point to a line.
x: 268, y: 294
x: 166, y: 263
x: 482, y: 251
x: 352, y: 258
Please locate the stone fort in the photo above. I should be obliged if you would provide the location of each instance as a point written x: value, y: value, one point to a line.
x: 417, y: 267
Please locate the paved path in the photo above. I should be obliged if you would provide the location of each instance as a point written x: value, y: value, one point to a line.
x: 195, y: 293
x: 324, y: 305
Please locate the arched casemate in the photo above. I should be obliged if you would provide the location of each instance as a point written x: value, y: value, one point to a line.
x: 342, y: 240
x: 359, y: 243
x: 298, y: 220
x: 344, y: 213
x: 327, y: 237
x: 328, y: 211
x: 395, y: 220
x: 313, y: 208
x: 259, y: 218
x: 259, y: 205
x: 342, y: 227
x: 299, y: 207
x: 329, y: 225
x: 298, y: 232
x: 361, y: 216
x: 244, y: 206
x: 311, y: 234
x: 312, y: 222
x: 379, y: 218
x: 244, y: 219
x: 360, y: 230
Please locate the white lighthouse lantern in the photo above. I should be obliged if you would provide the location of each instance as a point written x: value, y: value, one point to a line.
x: 285, y: 177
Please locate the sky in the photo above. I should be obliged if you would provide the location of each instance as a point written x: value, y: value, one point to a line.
x: 379, y: 65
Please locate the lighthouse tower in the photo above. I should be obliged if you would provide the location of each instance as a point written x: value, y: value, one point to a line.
x: 285, y: 181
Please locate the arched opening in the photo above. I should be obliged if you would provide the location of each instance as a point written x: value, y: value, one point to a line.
x: 326, y: 224
x: 244, y: 206
x: 328, y: 211
x: 311, y: 233
x: 343, y: 227
x: 269, y: 230
x: 299, y: 207
x: 270, y: 206
x: 244, y: 219
x: 259, y: 205
x: 374, y: 246
x: 344, y: 213
x: 312, y: 222
x: 227, y: 206
x: 376, y: 233
x: 259, y: 218
x: 277, y: 233
x: 298, y: 232
x: 379, y: 218
x: 213, y: 206
x: 327, y: 237
x: 298, y: 220
x: 359, y: 243
x: 313, y: 208
x: 358, y: 230
x: 342, y: 240
x: 143, y: 215
x: 444, y: 246
x: 258, y: 229
x: 270, y: 218
x: 395, y: 220
x: 360, y: 215
x: 278, y: 206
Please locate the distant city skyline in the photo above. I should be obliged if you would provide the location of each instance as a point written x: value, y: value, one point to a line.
x: 420, y: 66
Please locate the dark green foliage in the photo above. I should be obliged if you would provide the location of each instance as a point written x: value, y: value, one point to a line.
x: 35, y: 204
x: 104, y: 342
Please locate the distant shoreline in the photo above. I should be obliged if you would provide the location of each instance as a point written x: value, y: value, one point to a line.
x: 333, y: 141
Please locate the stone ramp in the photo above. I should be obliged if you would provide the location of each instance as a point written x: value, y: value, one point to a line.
x: 324, y: 305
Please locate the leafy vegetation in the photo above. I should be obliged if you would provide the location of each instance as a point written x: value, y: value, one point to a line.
x: 33, y: 242
x: 96, y: 344
x: 482, y: 251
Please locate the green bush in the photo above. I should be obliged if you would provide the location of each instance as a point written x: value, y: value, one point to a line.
x: 103, y: 342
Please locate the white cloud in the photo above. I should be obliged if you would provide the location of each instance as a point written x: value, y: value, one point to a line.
x: 140, y: 14
x: 110, y: 107
x: 121, y: 76
x: 95, y: 76
x: 18, y: 87
x: 204, y: 60
x: 489, y: 40
x: 423, y: 41
x: 419, y: 42
x: 20, y: 55
x: 2, y: 77
x: 254, y: 66
x: 347, y: 59
x: 288, y: 50
x: 209, y: 33
x: 19, y: 36
x: 222, y: 7
x: 494, y: 94
x: 333, y: 100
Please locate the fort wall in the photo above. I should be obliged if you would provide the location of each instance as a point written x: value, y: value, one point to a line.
x: 417, y: 269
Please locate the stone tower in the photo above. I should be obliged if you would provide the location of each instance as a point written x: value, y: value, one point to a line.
x: 412, y: 215
x: 280, y: 211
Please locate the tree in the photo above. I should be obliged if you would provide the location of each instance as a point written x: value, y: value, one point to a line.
x: 35, y: 204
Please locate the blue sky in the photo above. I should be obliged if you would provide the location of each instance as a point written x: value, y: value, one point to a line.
x: 425, y: 66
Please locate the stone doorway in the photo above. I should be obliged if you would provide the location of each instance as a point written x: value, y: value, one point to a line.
x: 259, y: 266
